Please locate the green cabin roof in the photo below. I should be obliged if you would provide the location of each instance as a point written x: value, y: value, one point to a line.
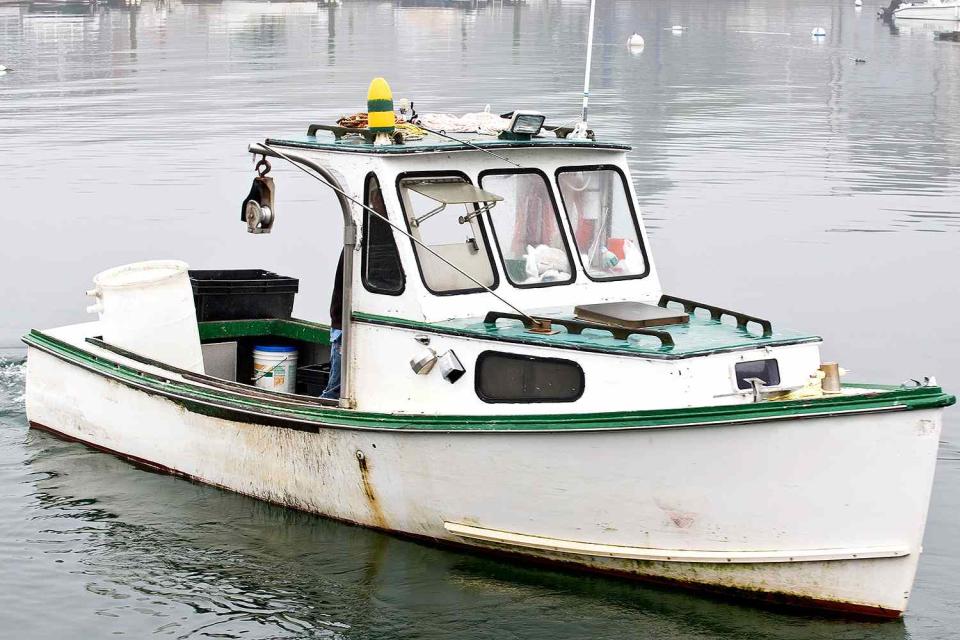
x: 699, y: 336
x: 433, y: 144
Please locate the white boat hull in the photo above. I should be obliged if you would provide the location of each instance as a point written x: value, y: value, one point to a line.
x: 827, y: 511
x: 949, y: 11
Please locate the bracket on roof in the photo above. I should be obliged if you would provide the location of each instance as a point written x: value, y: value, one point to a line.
x: 339, y: 132
x: 717, y: 313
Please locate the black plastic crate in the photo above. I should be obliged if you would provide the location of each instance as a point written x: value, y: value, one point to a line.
x: 242, y: 294
x: 312, y: 379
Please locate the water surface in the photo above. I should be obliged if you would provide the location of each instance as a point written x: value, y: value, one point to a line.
x: 776, y: 174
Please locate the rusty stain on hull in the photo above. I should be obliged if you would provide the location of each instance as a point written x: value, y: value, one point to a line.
x: 379, y: 521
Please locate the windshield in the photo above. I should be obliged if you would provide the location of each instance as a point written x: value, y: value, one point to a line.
x: 602, y: 222
x: 527, y: 229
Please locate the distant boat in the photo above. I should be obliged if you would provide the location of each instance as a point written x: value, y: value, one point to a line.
x: 930, y: 10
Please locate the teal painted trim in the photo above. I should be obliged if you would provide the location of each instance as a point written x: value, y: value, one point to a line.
x: 431, y: 144
x: 698, y: 337
x: 292, y: 329
x: 219, y: 402
x: 379, y: 105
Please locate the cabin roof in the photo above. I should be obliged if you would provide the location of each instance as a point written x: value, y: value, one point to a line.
x: 435, y: 144
x: 699, y: 336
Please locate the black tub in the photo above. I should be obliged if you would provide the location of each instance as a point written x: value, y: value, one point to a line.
x: 242, y: 294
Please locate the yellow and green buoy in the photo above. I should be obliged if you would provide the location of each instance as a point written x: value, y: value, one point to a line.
x: 380, y: 117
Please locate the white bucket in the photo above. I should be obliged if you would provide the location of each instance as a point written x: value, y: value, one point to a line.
x: 275, y: 368
x: 147, y: 308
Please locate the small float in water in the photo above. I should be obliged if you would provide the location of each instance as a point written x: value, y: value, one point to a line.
x: 514, y: 380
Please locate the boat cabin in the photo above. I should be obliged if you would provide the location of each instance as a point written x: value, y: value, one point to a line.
x: 524, y: 269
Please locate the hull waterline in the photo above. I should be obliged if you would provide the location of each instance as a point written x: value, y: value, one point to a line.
x: 717, y: 491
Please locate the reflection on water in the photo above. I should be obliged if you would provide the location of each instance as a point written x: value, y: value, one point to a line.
x: 777, y: 175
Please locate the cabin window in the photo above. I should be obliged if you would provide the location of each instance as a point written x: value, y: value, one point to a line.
x: 603, y: 222
x: 443, y: 212
x: 380, y: 267
x: 510, y: 377
x: 527, y: 229
x: 766, y: 370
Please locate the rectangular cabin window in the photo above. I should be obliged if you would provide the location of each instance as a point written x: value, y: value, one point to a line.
x: 602, y: 219
x: 766, y: 370
x: 443, y: 212
x: 527, y: 229
x: 511, y: 377
x: 381, y: 268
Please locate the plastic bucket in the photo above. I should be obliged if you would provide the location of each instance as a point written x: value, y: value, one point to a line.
x: 147, y: 308
x: 275, y: 367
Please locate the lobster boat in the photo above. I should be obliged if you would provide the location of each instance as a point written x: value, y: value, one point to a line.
x: 513, y: 380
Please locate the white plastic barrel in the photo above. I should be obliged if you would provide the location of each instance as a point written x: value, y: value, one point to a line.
x: 147, y: 308
x: 275, y: 367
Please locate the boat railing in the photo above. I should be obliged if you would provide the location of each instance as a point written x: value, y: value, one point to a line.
x: 717, y: 313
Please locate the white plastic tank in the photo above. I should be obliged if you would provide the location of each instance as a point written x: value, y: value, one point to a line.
x: 147, y: 308
x: 275, y: 367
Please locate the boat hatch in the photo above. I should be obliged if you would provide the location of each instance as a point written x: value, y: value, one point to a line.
x: 453, y: 193
x: 630, y: 315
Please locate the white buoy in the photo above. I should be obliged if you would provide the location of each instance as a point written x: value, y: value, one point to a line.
x: 818, y: 32
x: 635, y: 41
x: 858, y: 3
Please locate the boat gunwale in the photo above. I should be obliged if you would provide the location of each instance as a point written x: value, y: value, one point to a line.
x: 221, y: 403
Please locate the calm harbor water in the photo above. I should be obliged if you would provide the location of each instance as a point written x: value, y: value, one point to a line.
x: 777, y: 175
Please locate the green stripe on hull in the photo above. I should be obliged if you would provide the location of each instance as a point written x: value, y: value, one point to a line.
x: 192, y: 395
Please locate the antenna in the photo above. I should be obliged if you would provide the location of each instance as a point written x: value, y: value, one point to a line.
x: 580, y: 129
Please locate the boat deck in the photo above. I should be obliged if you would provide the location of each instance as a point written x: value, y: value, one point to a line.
x: 242, y: 403
x: 699, y: 336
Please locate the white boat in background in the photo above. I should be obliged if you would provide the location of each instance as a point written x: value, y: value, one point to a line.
x: 930, y: 10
